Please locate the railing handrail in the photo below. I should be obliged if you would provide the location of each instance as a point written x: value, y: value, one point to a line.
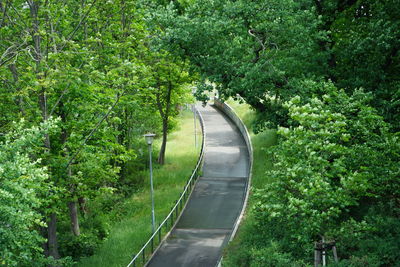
x: 178, y: 202
x: 231, y: 113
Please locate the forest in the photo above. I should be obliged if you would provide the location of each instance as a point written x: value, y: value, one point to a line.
x: 82, y: 80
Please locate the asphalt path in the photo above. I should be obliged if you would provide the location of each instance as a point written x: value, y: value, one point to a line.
x: 215, y: 204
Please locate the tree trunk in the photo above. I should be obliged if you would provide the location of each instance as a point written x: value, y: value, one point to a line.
x: 19, y: 100
x: 73, y: 214
x: 52, y: 243
x: 165, y: 117
x: 73, y: 210
x: 45, y: 245
x: 161, y: 155
x: 82, y: 205
x: 36, y: 37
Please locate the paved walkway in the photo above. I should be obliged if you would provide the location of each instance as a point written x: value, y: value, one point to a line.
x: 207, y: 222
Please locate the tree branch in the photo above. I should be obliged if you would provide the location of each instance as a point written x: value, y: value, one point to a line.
x: 258, y: 50
x: 72, y: 33
x: 95, y: 128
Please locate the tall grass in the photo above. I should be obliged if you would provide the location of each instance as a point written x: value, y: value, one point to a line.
x: 128, y: 236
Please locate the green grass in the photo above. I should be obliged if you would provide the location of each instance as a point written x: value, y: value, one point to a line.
x: 128, y: 236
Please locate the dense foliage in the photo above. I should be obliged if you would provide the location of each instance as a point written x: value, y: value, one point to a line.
x: 332, y: 172
x: 263, y: 50
x: 87, y: 78
x: 325, y: 74
x: 23, y: 186
x: 239, y: 46
x: 91, y: 65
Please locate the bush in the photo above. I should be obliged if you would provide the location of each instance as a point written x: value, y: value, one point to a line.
x: 374, y: 240
x: 238, y: 255
x: 95, y: 227
x: 272, y: 256
x: 245, y: 254
x: 364, y: 261
x: 78, y: 246
x: 132, y: 178
x: 338, y: 162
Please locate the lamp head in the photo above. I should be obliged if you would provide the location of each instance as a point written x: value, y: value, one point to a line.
x: 149, y: 138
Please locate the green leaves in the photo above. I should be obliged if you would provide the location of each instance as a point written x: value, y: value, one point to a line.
x: 251, y: 49
x: 23, y: 185
x: 326, y: 165
x: 91, y: 64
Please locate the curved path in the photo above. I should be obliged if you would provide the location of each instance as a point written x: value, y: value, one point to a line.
x: 207, y: 222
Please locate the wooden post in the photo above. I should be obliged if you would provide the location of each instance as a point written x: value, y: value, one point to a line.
x: 335, y: 257
x: 317, y: 254
x: 323, y: 252
x: 320, y: 249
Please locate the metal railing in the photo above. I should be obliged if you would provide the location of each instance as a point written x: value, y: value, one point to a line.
x: 230, y: 112
x: 144, y: 254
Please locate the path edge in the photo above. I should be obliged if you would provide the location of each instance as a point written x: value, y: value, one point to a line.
x: 230, y: 113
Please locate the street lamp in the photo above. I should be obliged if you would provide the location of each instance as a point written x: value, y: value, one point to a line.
x: 149, y: 140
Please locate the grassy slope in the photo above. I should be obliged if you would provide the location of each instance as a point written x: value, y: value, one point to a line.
x: 128, y: 236
x: 261, y: 142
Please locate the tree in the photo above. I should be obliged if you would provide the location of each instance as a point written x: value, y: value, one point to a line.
x: 255, y: 50
x: 24, y: 187
x: 366, y: 44
x: 66, y: 56
x: 339, y: 161
x: 86, y: 62
x: 167, y: 88
x: 260, y: 50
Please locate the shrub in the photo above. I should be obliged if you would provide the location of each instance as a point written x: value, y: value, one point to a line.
x: 78, y: 246
x: 338, y: 161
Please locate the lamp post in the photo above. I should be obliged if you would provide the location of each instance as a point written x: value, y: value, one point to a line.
x: 149, y: 140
